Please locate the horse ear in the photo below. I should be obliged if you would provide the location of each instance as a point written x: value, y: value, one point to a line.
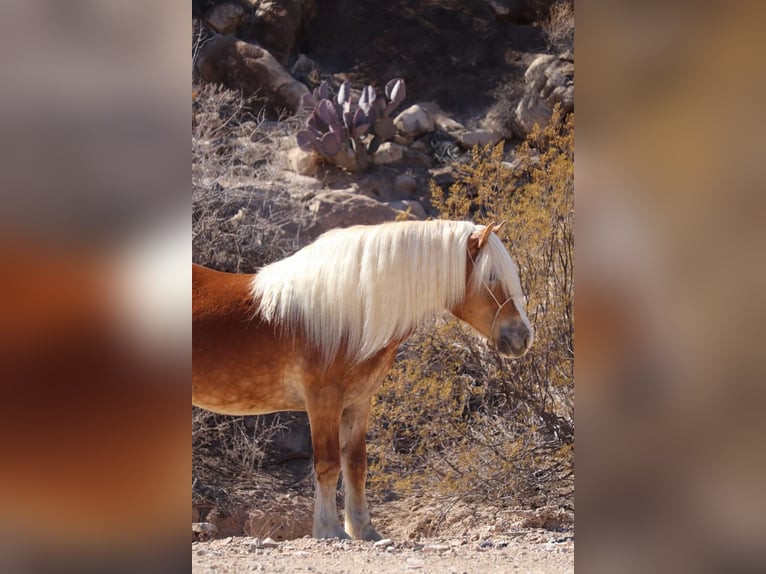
x: 485, y: 235
x: 498, y: 227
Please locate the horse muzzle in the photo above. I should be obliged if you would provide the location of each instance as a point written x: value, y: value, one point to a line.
x: 515, y: 342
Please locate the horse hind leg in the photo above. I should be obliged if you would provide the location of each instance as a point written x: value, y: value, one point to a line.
x: 324, y: 413
x: 354, y: 460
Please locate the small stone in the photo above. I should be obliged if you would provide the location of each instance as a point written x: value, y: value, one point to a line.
x: 388, y: 153
x: 414, y: 121
x: 302, y: 162
x: 436, y: 548
x: 270, y: 543
x: 447, y: 124
x: 385, y: 543
x: 480, y: 137
x: 204, y: 527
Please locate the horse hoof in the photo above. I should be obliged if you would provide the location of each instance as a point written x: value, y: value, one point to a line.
x: 334, y: 533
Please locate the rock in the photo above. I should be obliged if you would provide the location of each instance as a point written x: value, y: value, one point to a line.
x: 225, y: 18
x: 204, y: 527
x: 548, y: 80
x: 275, y: 25
x: 417, y: 158
x: 480, y: 137
x: 375, y: 185
x: 384, y: 543
x: 443, y: 176
x: 441, y: 120
x: 305, y: 70
x: 302, y: 162
x: 414, y: 121
x: 250, y: 68
x: 333, y: 209
x: 447, y: 124
x: 405, y: 184
x: 388, y: 152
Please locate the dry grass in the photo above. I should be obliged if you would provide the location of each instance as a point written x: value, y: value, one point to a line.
x: 559, y: 26
x: 241, y: 219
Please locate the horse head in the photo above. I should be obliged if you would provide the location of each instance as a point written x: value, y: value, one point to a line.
x: 493, y: 302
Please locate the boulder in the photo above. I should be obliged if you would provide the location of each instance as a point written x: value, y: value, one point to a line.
x: 239, y: 65
x: 549, y: 80
x: 331, y: 209
x: 275, y: 25
x: 388, y: 152
x: 225, y: 18
x: 414, y: 121
x: 480, y: 137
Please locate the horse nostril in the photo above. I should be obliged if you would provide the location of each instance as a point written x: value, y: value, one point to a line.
x: 527, y: 339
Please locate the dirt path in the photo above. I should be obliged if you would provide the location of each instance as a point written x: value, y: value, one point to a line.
x: 532, y: 551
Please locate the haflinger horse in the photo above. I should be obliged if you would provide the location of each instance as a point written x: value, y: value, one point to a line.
x: 318, y: 332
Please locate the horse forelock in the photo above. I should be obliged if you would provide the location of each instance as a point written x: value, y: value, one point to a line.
x: 494, y: 261
x: 360, y: 288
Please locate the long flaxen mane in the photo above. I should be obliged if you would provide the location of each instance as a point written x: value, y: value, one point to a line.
x: 362, y: 287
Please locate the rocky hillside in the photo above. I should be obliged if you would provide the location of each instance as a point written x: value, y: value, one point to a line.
x: 475, y: 71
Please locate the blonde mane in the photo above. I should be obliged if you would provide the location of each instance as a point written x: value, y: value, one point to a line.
x: 365, y: 286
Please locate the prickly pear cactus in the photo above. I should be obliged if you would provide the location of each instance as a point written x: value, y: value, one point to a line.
x: 347, y: 130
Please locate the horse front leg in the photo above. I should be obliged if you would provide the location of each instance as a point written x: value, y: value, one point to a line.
x: 324, y: 411
x: 353, y: 429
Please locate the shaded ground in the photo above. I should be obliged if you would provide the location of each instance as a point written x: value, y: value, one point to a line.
x: 454, y: 52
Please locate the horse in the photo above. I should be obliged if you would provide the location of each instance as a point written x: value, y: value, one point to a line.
x: 319, y: 330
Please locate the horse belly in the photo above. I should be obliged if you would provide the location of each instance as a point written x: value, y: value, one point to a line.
x: 233, y: 381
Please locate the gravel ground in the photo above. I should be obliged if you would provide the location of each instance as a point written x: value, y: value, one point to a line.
x: 530, y: 551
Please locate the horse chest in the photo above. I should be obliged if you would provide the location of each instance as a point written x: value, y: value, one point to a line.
x: 362, y: 381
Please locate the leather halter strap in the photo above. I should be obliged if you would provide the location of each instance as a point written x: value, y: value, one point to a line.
x: 499, y: 305
x: 497, y: 313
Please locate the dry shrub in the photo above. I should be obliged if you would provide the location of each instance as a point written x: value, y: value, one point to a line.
x: 559, y: 26
x: 456, y: 420
x: 229, y: 138
x: 240, y: 221
x: 227, y: 452
x: 506, y: 96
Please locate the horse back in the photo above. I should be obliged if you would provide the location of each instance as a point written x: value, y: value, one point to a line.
x: 219, y: 296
